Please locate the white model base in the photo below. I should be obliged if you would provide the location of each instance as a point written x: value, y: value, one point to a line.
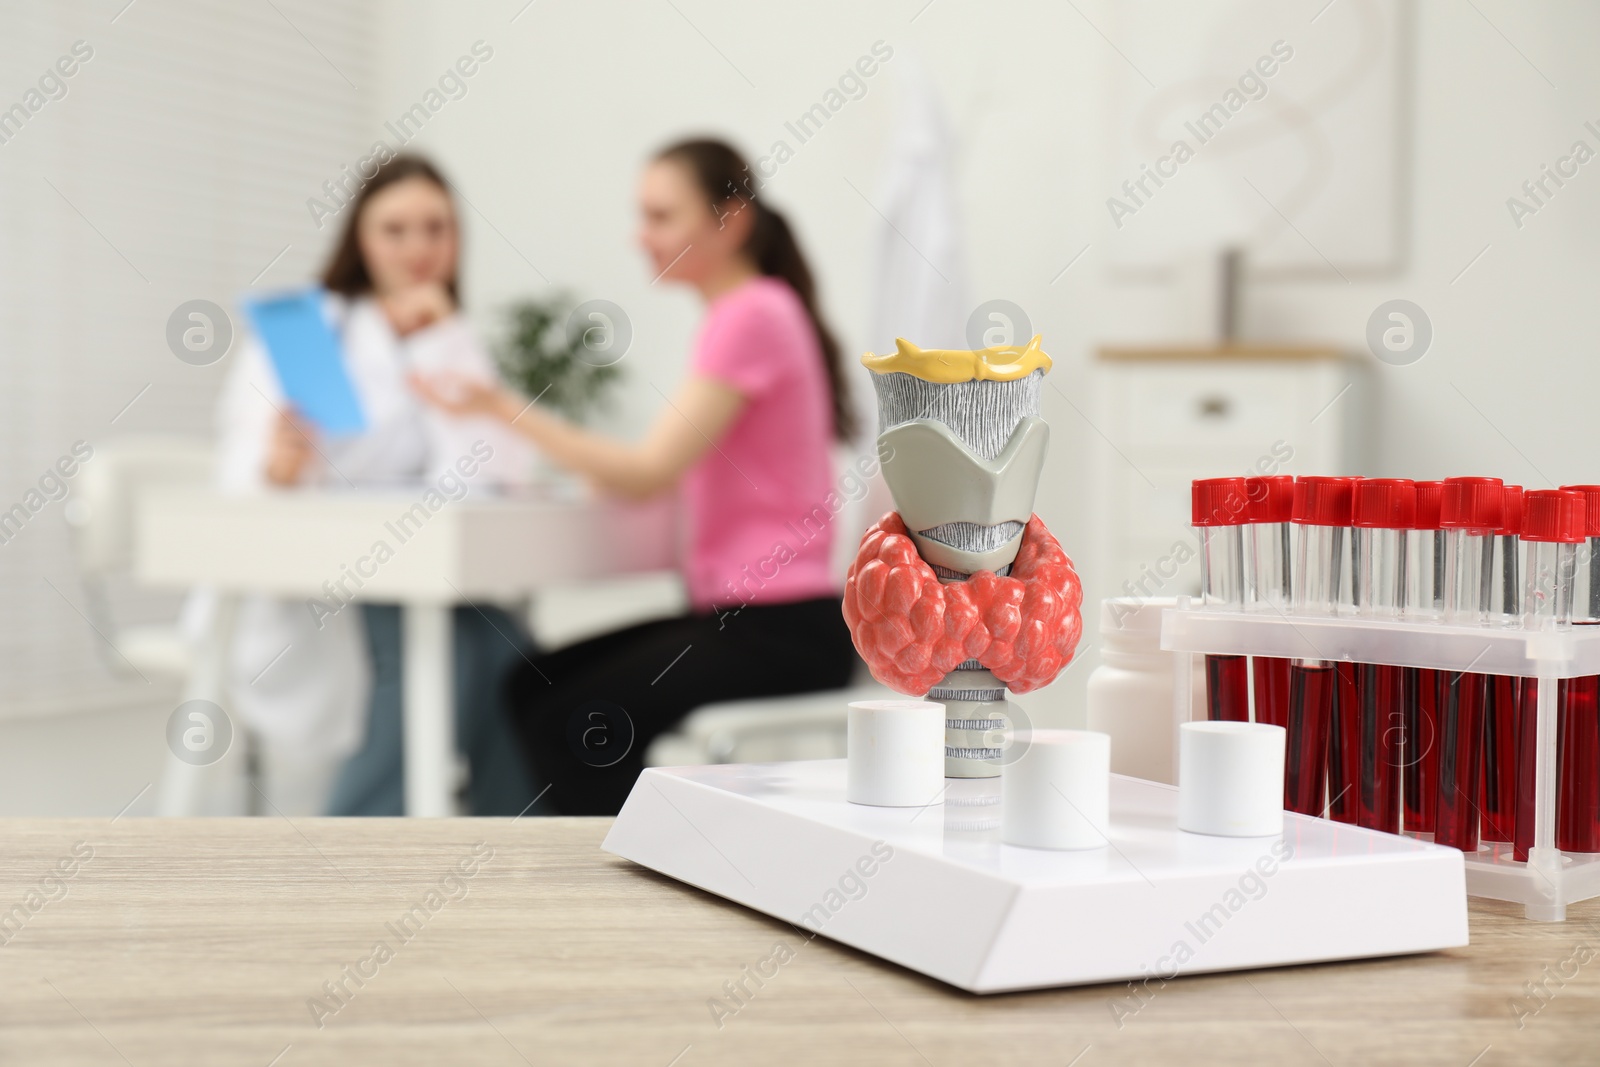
x: 933, y: 888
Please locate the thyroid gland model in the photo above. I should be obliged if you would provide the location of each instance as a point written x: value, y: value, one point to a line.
x: 961, y: 593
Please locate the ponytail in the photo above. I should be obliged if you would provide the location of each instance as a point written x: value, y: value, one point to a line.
x: 777, y: 255
x: 772, y: 245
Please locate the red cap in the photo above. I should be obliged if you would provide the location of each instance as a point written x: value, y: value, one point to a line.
x: 1511, y: 511
x: 1591, y: 507
x: 1323, y: 501
x: 1271, y: 498
x: 1218, y: 502
x: 1430, y: 495
x: 1553, y: 515
x: 1385, y: 503
x: 1472, y: 504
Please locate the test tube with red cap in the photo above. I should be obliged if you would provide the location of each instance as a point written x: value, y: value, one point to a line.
x: 1218, y: 509
x: 1321, y: 515
x: 1470, y: 515
x: 1586, y: 583
x: 1498, y: 799
x: 1341, y: 794
x: 1366, y: 745
x: 1553, y: 526
x: 1424, y: 602
x: 1271, y: 504
x: 1578, y: 706
x: 1505, y: 594
x: 1341, y: 802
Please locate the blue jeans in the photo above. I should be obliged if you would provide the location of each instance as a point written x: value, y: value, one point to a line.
x: 488, y: 642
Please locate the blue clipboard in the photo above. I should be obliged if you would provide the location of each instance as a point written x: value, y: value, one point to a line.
x: 308, y: 357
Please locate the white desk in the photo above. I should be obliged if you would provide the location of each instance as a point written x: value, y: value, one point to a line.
x: 479, y: 548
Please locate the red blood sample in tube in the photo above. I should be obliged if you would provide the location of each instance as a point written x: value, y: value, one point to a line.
x: 1219, y: 508
x: 1420, y: 747
x: 1364, y: 758
x: 1271, y: 506
x: 1306, y: 761
x: 1501, y: 722
x: 1578, y: 756
x: 1578, y: 716
x: 1381, y: 692
x: 1527, y: 768
x: 1554, y: 523
x: 1499, y: 799
x: 1460, y: 755
x: 1419, y: 756
x: 1272, y: 689
x: 1322, y: 512
x: 1471, y: 511
x: 1228, y: 688
x: 1344, y: 743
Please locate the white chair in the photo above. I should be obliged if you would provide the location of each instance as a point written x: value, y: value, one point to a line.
x: 807, y: 726
x: 102, y: 513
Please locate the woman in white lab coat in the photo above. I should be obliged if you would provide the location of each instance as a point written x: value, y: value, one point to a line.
x: 318, y: 682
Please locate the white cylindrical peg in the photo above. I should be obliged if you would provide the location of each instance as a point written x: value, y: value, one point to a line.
x: 1057, y: 792
x: 895, y: 753
x: 1230, y: 778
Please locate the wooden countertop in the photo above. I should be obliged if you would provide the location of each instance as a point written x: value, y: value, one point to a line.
x: 204, y: 941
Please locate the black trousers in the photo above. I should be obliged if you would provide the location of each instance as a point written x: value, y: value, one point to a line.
x: 586, y: 713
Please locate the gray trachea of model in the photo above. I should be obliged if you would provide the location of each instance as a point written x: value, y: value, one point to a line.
x: 962, y: 460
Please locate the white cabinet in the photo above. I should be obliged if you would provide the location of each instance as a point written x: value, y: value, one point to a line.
x: 1166, y: 416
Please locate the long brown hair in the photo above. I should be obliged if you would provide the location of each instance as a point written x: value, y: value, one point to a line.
x: 346, y: 272
x: 722, y: 174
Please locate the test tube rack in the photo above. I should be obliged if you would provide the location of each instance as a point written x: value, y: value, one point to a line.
x: 1550, y: 879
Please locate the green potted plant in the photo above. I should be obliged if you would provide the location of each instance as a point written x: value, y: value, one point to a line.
x: 564, y: 355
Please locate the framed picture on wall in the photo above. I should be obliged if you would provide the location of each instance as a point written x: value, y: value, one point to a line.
x: 1276, y: 127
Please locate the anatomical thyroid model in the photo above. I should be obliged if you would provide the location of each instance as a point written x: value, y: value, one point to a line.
x: 961, y: 593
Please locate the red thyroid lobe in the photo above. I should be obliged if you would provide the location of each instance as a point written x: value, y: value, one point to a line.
x: 912, y: 630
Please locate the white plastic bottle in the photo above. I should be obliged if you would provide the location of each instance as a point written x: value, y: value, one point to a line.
x: 1131, y: 692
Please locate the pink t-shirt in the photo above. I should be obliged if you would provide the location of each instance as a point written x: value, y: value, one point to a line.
x: 761, y: 504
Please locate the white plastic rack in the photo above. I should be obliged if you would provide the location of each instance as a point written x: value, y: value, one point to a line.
x: 1550, y: 879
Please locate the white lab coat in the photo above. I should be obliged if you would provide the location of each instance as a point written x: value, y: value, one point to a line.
x: 920, y: 278
x: 314, y: 698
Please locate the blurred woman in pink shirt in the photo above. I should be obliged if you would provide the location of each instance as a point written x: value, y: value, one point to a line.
x: 747, y: 438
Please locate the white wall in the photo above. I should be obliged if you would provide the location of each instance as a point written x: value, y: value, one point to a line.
x: 548, y: 142
x: 174, y: 166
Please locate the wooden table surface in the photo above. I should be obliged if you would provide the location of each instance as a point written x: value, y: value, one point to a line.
x: 216, y: 942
